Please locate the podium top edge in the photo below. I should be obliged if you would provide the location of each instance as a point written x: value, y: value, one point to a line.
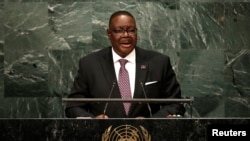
x: 151, y: 100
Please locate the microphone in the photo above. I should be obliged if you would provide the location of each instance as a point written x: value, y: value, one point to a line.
x: 145, y: 95
x: 109, y: 96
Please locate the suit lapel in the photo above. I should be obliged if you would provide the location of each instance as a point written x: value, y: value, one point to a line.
x: 107, y: 64
x: 108, y: 69
x: 141, y: 74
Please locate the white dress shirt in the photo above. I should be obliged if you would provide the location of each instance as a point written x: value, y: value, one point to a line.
x: 130, y: 66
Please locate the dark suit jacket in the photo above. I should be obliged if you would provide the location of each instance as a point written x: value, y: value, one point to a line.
x: 96, y: 75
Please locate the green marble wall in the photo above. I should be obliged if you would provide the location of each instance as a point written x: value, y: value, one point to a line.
x: 42, y: 40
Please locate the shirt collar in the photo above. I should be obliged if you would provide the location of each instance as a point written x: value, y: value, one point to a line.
x: 130, y: 57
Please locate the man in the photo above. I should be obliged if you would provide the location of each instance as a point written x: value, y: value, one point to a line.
x: 150, y: 75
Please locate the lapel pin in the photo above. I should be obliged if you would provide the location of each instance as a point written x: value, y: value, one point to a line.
x: 143, y: 67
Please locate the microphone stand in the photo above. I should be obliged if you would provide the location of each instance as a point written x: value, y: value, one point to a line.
x: 145, y: 95
x: 111, y: 91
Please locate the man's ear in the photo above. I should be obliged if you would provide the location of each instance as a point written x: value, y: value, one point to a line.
x: 108, y: 33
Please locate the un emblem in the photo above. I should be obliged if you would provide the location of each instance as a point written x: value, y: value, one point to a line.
x: 126, y: 133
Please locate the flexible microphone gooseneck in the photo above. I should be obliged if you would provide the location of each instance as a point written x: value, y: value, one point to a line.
x: 110, y: 93
x: 145, y: 95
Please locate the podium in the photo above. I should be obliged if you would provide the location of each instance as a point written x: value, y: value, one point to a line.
x: 167, y: 129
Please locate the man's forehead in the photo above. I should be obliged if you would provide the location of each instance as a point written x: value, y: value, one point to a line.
x: 122, y: 16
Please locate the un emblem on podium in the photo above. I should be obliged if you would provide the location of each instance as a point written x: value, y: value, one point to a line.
x: 126, y: 133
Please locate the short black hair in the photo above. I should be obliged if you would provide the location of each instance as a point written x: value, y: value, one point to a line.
x: 118, y: 13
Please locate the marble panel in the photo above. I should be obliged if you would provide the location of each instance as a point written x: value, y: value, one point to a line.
x: 209, y: 106
x: 237, y: 25
x: 158, y: 25
x: 17, y: 107
x: 237, y: 77
x: 201, y: 25
x: 1, y: 23
x: 63, y: 66
x: 25, y: 38
x: 70, y: 25
x: 1, y: 51
x: 50, y: 1
x: 201, y: 72
x: 1, y: 72
x: 237, y: 107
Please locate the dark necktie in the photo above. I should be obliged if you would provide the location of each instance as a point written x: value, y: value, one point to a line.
x: 124, y: 85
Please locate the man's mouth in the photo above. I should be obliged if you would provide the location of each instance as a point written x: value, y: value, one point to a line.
x: 126, y: 44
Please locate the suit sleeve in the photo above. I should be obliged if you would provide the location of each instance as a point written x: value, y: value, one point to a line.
x: 170, y: 89
x: 79, y: 90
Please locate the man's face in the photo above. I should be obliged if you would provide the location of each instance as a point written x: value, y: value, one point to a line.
x: 122, y: 34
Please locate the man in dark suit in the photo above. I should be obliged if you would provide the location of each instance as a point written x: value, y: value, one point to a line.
x: 150, y: 76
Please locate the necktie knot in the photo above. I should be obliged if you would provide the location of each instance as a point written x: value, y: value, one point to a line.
x: 123, y: 62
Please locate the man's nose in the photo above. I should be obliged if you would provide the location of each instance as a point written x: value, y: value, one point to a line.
x: 125, y: 33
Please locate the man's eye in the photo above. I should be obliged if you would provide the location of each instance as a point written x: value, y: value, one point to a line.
x: 131, y: 30
x: 118, y: 31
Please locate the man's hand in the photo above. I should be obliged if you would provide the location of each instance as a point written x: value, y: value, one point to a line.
x: 102, y: 116
x: 140, y: 117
